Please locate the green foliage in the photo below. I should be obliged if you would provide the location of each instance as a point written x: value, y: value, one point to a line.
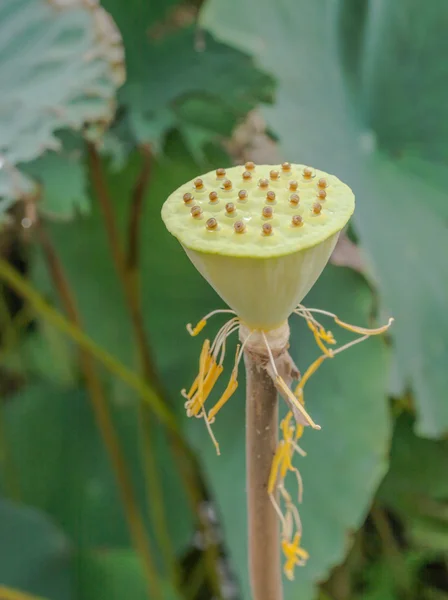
x: 318, y: 121
x: 60, y: 65
x: 113, y: 576
x: 355, y: 88
x: 35, y: 556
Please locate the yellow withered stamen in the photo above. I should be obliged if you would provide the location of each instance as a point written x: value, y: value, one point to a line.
x: 310, y: 371
x: 363, y: 330
x: 294, y: 555
x: 193, y: 331
x: 228, y: 393
x: 285, y: 389
x: 317, y: 337
x: 209, y: 383
x: 195, y: 383
x: 205, y: 353
x: 273, y: 475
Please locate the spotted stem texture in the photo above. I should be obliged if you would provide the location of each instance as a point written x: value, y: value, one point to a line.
x: 261, y: 443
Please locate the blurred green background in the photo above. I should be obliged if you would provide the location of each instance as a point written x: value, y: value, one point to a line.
x: 99, y: 122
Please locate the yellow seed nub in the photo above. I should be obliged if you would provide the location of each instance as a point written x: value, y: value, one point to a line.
x: 227, y: 185
x: 317, y: 207
x: 321, y: 194
x: 249, y: 166
x: 211, y: 224
x: 188, y: 198
x: 213, y: 197
x: 196, y: 212
x: 247, y: 175
x: 242, y: 195
x: 266, y: 229
x: 297, y: 221
x: 267, y: 212
x: 294, y: 199
x: 230, y: 208
x: 322, y: 183
x: 263, y: 184
x: 307, y: 173
x: 293, y: 185
x: 198, y: 184
x: 270, y: 197
x: 274, y: 175
x: 220, y: 173
x: 286, y: 167
x: 239, y: 226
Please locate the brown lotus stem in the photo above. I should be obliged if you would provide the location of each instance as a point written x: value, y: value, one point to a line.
x: 261, y: 442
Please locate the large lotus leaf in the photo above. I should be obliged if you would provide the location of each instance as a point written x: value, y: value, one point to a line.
x: 62, y: 177
x: 60, y: 66
x: 62, y: 466
x: 416, y: 487
x: 400, y: 212
x: 172, y: 69
x: 114, y: 575
x: 35, y: 556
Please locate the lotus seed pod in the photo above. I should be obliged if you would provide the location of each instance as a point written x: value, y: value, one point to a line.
x: 262, y: 276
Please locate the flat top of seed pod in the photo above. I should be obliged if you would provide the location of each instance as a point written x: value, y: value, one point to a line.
x: 314, y: 188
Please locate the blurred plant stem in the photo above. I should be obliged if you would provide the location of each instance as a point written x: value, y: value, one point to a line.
x: 129, y: 278
x: 9, y: 335
x: 20, y: 285
x: 391, y: 550
x: 127, y: 265
x: 7, y: 593
x: 105, y: 424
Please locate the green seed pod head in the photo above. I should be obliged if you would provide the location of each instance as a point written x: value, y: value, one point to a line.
x: 260, y: 234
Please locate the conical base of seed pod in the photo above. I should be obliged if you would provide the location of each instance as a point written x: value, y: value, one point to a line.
x: 264, y: 291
